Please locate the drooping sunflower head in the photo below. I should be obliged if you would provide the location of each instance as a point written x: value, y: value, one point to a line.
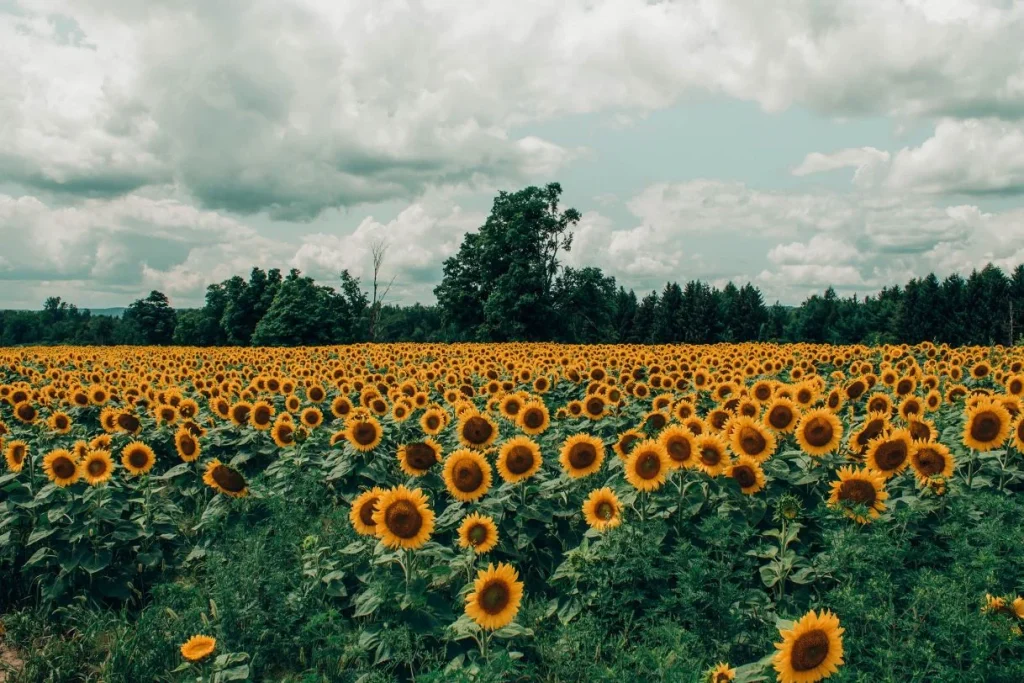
x: 680, y: 445
x: 712, y: 455
x: 467, y: 475
x: 859, y: 493
x: 225, y: 479
x: 626, y: 441
x: 403, y: 518
x: 987, y: 426
x: 810, y: 651
x: 187, y: 445
x: 15, y: 454
x: 602, y: 509
x: 648, y: 466
x: 874, y: 425
x: 418, y: 457
x: 478, y: 532
x: 747, y: 472
x: 137, y: 458
x: 60, y: 466
x: 819, y: 432
x: 283, y: 431
x: 361, y: 513
x: 97, y: 467
x: 749, y: 437
x: 477, y: 430
x: 364, y: 433
x: 534, y: 418
x: 497, y: 593
x: 581, y: 455
x: 519, y: 459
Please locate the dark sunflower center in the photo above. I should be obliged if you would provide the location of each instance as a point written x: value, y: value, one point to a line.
x: 63, y: 467
x: 920, y: 431
x: 533, y: 418
x: 138, y: 458
x: 26, y: 412
x: 604, y: 511
x: 379, y: 406
x: 18, y: 454
x: 878, y: 405
x: 904, y: 386
x: 985, y: 426
x: 679, y: 450
x: 433, y: 421
x: 710, y: 456
x: 744, y: 476
x: 833, y: 400
x: 818, y: 432
x: 96, y: 467
x: 780, y: 417
x: 803, y: 396
x: 316, y: 394
x: 752, y: 441
x: 810, y: 650
x: 762, y: 393
x: 870, y: 431
x: 595, y: 406
x: 228, y: 479
x: 366, y: 511
x: 310, y: 418
x: 364, y: 433
x: 891, y: 455
x: 626, y: 444
x: 241, y: 413
x: 420, y: 456
x: 187, y: 445
x: 285, y: 433
x: 477, y: 430
x: 911, y: 408
x: 519, y: 460
x: 61, y: 422
x: 930, y: 461
x: 512, y: 407
x: 468, y: 476
x: 477, y: 534
x: 657, y: 420
x: 127, y: 422
x: 495, y: 597
x: 582, y: 455
x: 261, y: 415
x: 648, y: 465
x: 855, y: 390
x: 858, y: 491
x: 403, y: 519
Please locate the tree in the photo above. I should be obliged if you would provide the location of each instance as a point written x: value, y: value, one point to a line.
x: 668, y: 320
x: 149, y: 321
x: 585, y: 306
x: 380, y: 291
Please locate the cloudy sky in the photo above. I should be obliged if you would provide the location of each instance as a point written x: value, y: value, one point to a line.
x: 795, y: 144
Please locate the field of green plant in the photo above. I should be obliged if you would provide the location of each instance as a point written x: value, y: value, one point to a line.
x: 512, y: 512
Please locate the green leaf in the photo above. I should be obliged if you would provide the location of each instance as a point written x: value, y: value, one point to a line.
x: 513, y: 630
x: 40, y: 534
x: 366, y: 603
x: 97, y: 562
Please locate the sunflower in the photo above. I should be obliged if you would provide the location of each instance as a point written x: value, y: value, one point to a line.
x: 97, y: 466
x: 626, y: 441
x: 857, y: 488
x: 510, y: 406
x: 602, y: 509
x: 240, y: 412
x: 750, y: 438
x: 1018, y: 434
x: 647, y: 466
x: 680, y: 446
x: 748, y: 474
x: 418, y: 457
x: 341, y: 406
x: 262, y: 414
x: 283, y: 431
x: 433, y: 421
x: 810, y: 651
x: 875, y: 425
x: 781, y: 414
x: 364, y: 433
x: 467, y: 475
x: 226, y: 480
x: 478, y: 532
x: 712, y: 456
x: 59, y: 422
x: 534, y: 418
x: 518, y: 459
x: 363, y: 507
x: 594, y: 407
x: 403, y: 518
x: 15, y: 455
x: 721, y: 673
x: 128, y: 421
x: 187, y: 445
x: 819, y: 432
x: 61, y: 468
x: 26, y: 412
x: 477, y: 430
x: 198, y: 647
x: 137, y: 458
x: 987, y: 426
x: 930, y: 459
x: 496, y: 595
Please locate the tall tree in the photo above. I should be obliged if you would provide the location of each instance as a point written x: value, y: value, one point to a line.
x: 150, y: 321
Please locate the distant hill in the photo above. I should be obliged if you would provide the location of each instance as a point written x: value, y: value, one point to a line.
x: 112, y: 312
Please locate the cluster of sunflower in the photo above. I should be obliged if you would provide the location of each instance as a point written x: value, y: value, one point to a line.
x: 465, y: 416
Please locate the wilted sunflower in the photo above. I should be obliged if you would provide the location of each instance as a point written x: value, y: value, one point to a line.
x: 187, y: 445
x: 518, y: 459
x: 226, y: 480
x: 467, y: 475
x: 856, y: 488
x: 602, y: 509
x: 781, y: 414
x: 403, y: 518
x: 819, y: 432
x: 534, y: 418
x: 750, y: 438
x: 748, y: 474
x: 283, y: 431
x: 364, y: 433
x: 418, y: 457
x: 137, y: 458
x: 59, y: 422
x: 477, y: 430
x: 930, y: 459
x: 61, y: 468
x: 648, y: 466
x: 198, y: 647
x: 363, y: 507
x: 97, y: 466
x: 478, y: 532
x: 581, y: 455
x: 262, y: 415
x: 15, y: 455
x: 987, y: 426
x: 810, y: 651
x: 496, y: 595
x: 680, y: 445
x: 712, y: 456
x: 890, y: 454
x: 721, y: 673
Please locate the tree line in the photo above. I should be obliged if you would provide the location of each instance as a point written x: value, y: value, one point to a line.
x: 507, y: 283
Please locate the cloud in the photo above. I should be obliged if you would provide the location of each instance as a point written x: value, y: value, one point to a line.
x: 868, y: 162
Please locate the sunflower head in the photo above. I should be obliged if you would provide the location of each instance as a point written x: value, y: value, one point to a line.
x: 533, y: 418
x: 225, y: 479
x: 15, y: 454
x: 198, y: 647
x: 987, y: 426
x: 361, y: 513
x: 712, y: 456
x: 418, y: 457
x: 519, y: 459
x: 648, y: 466
x: 581, y: 455
x: 477, y: 430
x: 680, y: 445
x: 746, y: 471
x: 467, y: 475
x: 889, y: 454
x: 478, y: 532
x: 364, y: 433
x: 137, y: 458
x: 602, y: 509
x: 751, y: 438
x: 819, y: 432
x: 61, y: 467
x: 811, y: 650
x: 403, y: 519
x: 497, y: 593
x: 859, y: 493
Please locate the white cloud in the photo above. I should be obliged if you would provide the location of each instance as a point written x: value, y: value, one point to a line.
x: 868, y: 163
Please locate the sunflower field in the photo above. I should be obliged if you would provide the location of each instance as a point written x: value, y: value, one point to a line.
x: 512, y: 512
